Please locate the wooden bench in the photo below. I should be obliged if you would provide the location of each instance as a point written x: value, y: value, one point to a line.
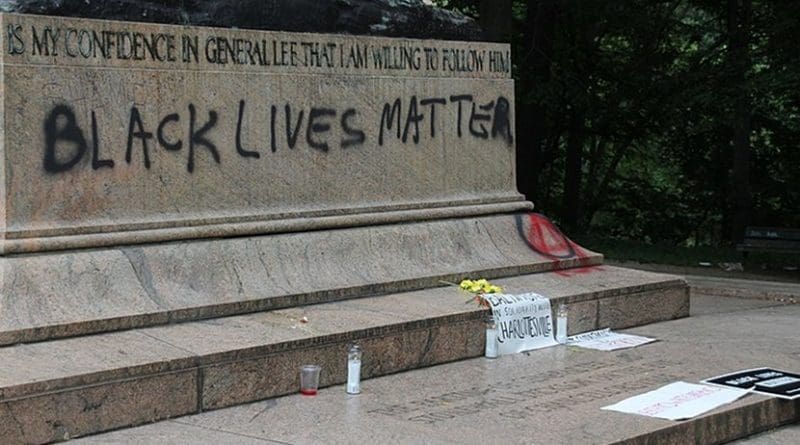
x: 770, y: 239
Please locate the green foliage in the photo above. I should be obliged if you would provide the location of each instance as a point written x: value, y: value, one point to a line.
x: 648, y: 93
x: 466, y: 7
x: 665, y: 253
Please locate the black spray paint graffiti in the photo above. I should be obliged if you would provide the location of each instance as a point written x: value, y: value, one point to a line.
x: 500, y: 118
x: 61, y: 128
x: 66, y: 144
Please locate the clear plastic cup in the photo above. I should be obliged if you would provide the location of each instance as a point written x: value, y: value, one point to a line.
x: 309, y: 379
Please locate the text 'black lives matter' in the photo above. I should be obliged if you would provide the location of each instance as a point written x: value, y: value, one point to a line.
x: 322, y: 127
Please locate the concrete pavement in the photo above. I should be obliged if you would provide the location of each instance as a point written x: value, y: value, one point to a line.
x: 789, y: 435
x: 779, y: 291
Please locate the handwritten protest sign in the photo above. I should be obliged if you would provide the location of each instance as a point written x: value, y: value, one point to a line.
x: 606, y: 340
x: 524, y: 322
x: 677, y: 401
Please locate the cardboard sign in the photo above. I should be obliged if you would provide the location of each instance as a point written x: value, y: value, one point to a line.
x: 677, y: 401
x: 766, y: 381
x: 607, y: 340
x: 524, y: 322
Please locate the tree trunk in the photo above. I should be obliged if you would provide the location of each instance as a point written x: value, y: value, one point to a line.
x: 741, y: 199
x: 533, y: 52
x: 573, y: 175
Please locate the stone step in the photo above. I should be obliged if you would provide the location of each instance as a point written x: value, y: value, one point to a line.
x: 547, y: 396
x: 63, y: 388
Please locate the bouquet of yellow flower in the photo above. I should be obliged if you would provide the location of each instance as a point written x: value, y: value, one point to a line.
x: 480, y: 288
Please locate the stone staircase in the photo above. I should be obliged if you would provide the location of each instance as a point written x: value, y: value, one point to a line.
x: 93, y: 368
x: 551, y: 395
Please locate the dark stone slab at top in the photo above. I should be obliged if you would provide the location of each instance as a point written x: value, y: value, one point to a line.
x: 391, y: 18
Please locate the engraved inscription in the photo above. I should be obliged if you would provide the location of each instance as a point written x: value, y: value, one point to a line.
x: 528, y: 397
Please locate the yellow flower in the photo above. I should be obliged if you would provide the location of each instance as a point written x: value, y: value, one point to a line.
x: 480, y: 288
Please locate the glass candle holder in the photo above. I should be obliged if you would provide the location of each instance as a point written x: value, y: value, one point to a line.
x: 561, y: 323
x: 309, y: 379
x: 354, y: 369
x: 491, y: 337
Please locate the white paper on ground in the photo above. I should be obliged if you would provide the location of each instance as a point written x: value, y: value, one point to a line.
x: 678, y: 401
x: 606, y: 340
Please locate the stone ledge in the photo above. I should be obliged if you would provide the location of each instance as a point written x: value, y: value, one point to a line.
x: 86, y: 237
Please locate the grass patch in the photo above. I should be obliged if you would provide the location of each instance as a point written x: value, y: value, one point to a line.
x: 629, y: 250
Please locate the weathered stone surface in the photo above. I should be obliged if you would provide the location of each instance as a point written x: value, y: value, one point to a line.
x: 119, y: 133
x: 83, y: 361
x: 789, y: 435
x: 122, y: 355
x: 624, y: 312
x: 392, y: 18
x: 84, y: 410
x: 582, y: 317
x: 244, y: 381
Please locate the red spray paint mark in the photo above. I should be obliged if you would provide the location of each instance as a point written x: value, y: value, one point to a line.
x: 544, y: 238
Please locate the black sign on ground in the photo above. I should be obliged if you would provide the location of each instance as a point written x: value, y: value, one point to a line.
x: 766, y: 381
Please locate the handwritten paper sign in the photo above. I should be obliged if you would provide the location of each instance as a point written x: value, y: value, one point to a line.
x: 524, y: 322
x: 606, y: 340
x: 766, y: 381
x: 677, y: 401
